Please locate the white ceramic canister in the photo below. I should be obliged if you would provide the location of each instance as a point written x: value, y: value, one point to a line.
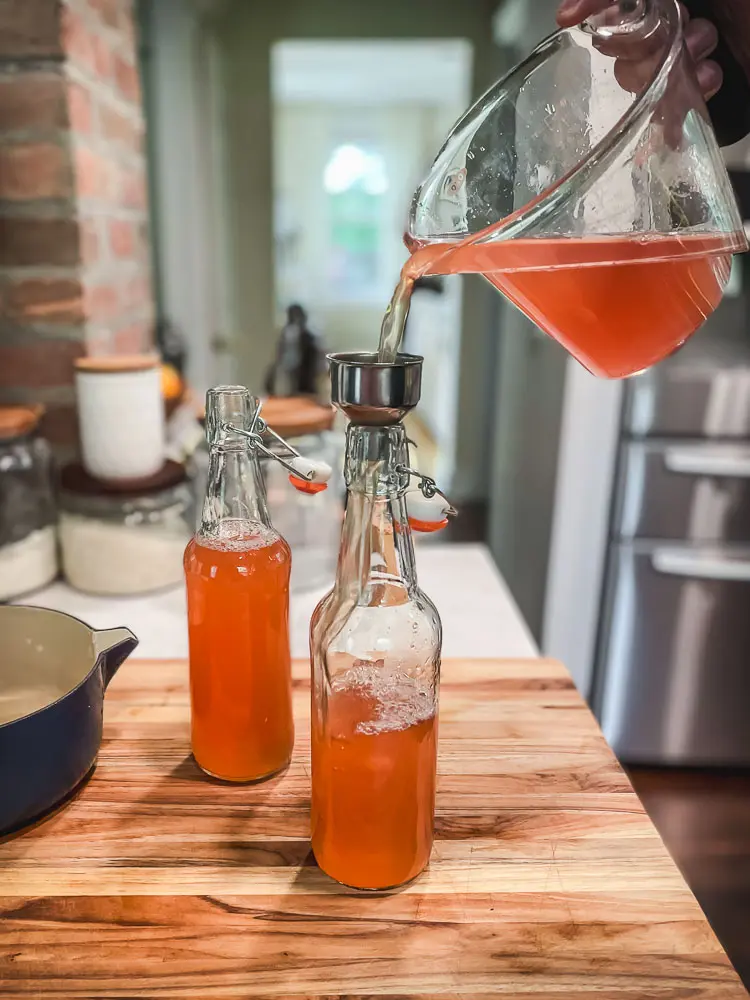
x: 121, y: 416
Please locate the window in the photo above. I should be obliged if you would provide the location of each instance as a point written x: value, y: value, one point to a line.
x: 355, y: 181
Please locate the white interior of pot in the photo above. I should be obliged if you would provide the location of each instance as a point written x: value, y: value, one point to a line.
x: 43, y: 655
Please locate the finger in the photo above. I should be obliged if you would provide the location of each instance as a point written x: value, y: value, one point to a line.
x: 673, y: 134
x: 572, y: 12
x: 633, y: 77
x: 701, y: 38
x: 710, y: 78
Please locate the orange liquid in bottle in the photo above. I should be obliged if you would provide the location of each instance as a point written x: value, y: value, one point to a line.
x: 618, y: 304
x: 240, y: 664
x: 374, y: 760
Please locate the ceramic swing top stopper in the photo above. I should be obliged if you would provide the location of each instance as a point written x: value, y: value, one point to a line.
x: 313, y: 476
x: 426, y: 514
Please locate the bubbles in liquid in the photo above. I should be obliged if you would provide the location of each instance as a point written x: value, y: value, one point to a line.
x: 235, y: 535
x: 391, y: 700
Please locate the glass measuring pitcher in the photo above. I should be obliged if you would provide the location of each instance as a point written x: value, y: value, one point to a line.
x: 588, y: 186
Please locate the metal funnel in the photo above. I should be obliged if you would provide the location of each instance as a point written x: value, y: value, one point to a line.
x: 373, y: 392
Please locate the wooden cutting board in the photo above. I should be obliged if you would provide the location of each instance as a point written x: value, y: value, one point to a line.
x: 547, y: 878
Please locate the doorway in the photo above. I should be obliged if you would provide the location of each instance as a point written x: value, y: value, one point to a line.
x: 356, y: 124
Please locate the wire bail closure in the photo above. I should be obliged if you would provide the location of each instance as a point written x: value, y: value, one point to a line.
x: 305, y: 474
x: 426, y: 513
x: 427, y: 487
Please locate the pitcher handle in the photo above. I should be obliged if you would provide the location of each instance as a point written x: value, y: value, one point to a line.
x: 636, y: 18
x: 113, y: 646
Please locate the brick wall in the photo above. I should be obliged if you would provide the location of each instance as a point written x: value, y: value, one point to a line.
x: 74, y: 255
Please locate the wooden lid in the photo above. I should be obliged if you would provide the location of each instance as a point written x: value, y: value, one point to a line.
x: 75, y: 479
x: 15, y: 421
x: 116, y: 363
x: 296, y: 416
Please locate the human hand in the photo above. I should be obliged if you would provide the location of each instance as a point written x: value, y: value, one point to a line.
x: 701, y: 38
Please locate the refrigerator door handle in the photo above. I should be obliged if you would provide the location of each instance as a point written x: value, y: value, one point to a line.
x: 678, y: 562
x: 707, y: 462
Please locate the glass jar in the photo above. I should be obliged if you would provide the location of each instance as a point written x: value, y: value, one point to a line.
x: 132, y: 542
x: 310, y: 524
x: 375, y: 644
x: 28, y: 545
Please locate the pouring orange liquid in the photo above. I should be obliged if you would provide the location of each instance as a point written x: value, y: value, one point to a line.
x: 374, y: 760
x: 240, y: 664
x: 618, y: 304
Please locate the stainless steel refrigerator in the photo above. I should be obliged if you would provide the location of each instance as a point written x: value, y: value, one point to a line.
x: 672, y: 673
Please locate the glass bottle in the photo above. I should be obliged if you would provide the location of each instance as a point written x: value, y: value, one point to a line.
x: 237, y: 571
x: 28, y: 545
x: 375, y: 644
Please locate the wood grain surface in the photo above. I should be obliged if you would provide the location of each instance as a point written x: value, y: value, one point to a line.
x: 547, y: 879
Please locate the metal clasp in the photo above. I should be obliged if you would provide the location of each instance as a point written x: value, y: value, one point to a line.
x: 305, y: 474
x: 428, y: 487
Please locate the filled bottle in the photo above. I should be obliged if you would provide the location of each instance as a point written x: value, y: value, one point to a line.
x: 237, y: 571
x: 375, y: 644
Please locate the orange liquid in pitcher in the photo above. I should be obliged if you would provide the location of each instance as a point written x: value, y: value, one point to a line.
x: 240, y: 664
x: 374, y: 758
x: 618, y: 304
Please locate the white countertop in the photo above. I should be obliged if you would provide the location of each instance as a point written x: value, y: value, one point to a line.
x: 480, y: 618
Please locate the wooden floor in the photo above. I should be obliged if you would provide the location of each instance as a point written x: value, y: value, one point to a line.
x: 704, y: 819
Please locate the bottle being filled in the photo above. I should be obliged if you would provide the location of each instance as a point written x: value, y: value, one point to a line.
x: 375, y: 643
x: 237, y: 572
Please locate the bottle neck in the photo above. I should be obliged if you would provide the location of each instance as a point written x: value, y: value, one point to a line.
x: 235, y: 491
x: 376, y: 559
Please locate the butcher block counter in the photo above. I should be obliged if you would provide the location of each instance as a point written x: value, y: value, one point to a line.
x: 547, y: 879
